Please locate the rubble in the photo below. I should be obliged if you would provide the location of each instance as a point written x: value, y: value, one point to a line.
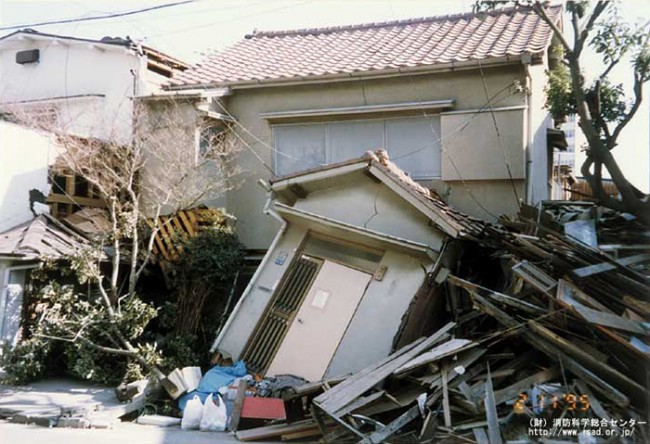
x: 557, y: 346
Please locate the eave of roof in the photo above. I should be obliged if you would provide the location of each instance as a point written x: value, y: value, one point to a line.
x: 32, y: 33
x: 451, y: 221
x: 154, y: 54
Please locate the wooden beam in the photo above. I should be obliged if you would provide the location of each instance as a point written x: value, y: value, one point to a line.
x: 445, y: 396
x: 383, y: 434
x: 451, y: 347
x: 355, y: 386
x: 608, y: 266
x: 587, y: 360
x: 494, y: 432
x: 238, y: 405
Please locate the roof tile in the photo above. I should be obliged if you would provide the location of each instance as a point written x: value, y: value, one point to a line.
x: 375, y: 46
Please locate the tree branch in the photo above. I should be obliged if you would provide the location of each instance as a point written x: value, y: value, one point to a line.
x: 598, y: 10
x: 541, y: 12
x: 87, y: 342
x: 638, y: 98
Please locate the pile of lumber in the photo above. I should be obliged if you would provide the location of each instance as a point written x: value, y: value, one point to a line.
x: 562, y: 334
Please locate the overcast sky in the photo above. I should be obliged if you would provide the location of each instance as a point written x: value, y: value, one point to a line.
x: 190, y: 30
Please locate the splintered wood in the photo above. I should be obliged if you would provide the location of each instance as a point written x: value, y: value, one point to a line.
x: 562, y: 335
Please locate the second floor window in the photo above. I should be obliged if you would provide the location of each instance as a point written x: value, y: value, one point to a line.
x: 413, y: 143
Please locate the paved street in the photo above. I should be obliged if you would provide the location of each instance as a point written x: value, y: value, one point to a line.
x: 123, y: 433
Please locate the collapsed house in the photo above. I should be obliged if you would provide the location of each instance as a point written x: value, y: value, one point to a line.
x: 22, y: 249
x: 553, y: 343
x: 350, y: 273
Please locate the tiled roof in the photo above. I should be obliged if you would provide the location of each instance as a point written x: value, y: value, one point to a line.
x: 42, y: 237
x: 404, y: 44
x: 464, y: 225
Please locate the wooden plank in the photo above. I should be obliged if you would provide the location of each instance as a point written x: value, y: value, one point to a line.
x: 638, y: 306
x: 566, y: 288
x: 524, y: 306
x: 448, y: 348
x: 554, y: 346
x: 429, y: 427
x: 350, y: 381
x: 359, y: 403
x: 273, y: 431
x: 380, y: 436
x: 602, y: 387
x: 494, y: 432
x: 601, y: 318
x: 446, y: 412
x: 301, y: 435
x: 399, y: 399
x: 358, y: 384
x: 587, y: 360
x: 187, y: 225
x: 594, y: 404
x: 607, y: 320
x: 608, y: 266
x: 238, y: 405
x: 511, y: 392
x: 480, y: 436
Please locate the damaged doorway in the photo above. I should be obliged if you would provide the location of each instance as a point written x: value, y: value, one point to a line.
x: 312, y: 308
x: 320, y: 323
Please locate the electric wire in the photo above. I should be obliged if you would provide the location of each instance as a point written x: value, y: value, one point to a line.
x: 97, y: 17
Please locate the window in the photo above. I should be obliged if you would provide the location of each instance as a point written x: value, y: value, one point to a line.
x: 208, y: 138
x: 412, y: 143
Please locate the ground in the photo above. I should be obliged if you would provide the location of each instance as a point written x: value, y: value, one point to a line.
x: 122, y: 433
x: 44, y: 399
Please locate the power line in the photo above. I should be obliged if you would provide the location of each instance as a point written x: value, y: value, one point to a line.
x: 97, y: 17
x: 498, y: 133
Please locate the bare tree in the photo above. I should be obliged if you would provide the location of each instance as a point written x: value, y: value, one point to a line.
x: 602, y: 108
x: 160, y: 172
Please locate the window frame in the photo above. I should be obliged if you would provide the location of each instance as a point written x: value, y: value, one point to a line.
x: 384, y: 137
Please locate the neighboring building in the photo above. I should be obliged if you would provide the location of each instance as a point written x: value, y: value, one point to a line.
x: 75, y: 86
x: 79, y: 86
x: 457, y: 101
x: 358, y: 251
x: 568, y: 157
x: 25, y: 159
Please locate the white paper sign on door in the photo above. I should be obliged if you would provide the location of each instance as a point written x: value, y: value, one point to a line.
x: 320, y: 298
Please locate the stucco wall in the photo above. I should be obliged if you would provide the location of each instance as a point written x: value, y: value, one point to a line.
x: 25, y: 156
x: 465, y: 87
x: 68, y: 68
x: 373, y: 206
x: 475, y: 148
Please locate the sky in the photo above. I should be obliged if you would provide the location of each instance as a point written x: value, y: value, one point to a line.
x: 189, y: 31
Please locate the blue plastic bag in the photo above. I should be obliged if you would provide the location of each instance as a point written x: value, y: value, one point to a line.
x: 212, y: 381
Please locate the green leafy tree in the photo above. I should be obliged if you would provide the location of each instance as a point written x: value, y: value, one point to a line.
x: 603, y: 108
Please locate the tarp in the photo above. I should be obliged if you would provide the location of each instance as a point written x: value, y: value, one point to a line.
x: 213, y: 380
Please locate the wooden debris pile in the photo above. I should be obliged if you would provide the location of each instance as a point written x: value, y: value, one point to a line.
x: 556, y: 347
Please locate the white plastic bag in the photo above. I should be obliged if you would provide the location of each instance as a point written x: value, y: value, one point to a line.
x: 214, y: 417
x: 192, y: 414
